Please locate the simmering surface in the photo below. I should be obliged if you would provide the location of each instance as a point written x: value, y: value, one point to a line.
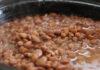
x: 51, y: 42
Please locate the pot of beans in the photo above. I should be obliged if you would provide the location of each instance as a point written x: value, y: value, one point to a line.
x: 49, y: 35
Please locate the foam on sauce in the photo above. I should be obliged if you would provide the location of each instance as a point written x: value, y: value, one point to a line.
x: 91, y: 62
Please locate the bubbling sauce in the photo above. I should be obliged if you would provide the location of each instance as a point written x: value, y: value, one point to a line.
x: 51, y: 42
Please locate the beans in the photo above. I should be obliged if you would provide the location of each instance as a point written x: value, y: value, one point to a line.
x: 64, y: 32
x: 50, y: 69
x: 55, y: 64
x: 37, y: 20
x: 20, y: 43
x: 90, y: 37
x: 25, y: 40
x: 48, y: 64
x: 40, y: 68
x: 79, y: 35
x: 45, y: 37
x: 42, y: 61
x: 48, y: 42
x: 71, y: 46
x: 65, y: 61
x: 27, y: 55
x: 23, y: 49
x: 51, y: 34
x: 23, y: 35
x: 53, y: 58
x: 34, y: 56
x: 61, y: 67
x: 35, y: 33
x: 38, y: 52
x: 72, y: 28
x: 93, y: 41
x: 28, y: 44
x: 70, y: 54
x: 64, y: 67
x: 35, y: 39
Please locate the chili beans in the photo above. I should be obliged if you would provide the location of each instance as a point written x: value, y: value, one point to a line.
x: 49, y: 42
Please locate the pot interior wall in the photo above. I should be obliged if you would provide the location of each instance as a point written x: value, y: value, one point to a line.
x: 33, y: 8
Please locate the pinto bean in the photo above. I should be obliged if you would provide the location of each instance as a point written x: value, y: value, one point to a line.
x: 23, y: 35
x: 28, y: 44
x: 22, y: 49
x: 41, y: 61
